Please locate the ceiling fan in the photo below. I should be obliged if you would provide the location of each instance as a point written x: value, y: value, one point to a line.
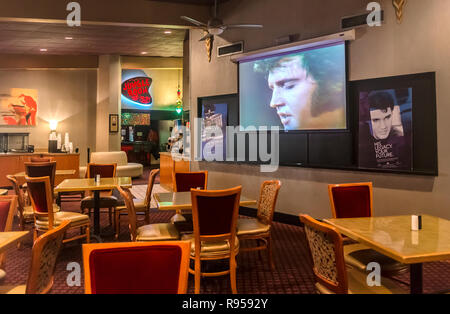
x: 215, y: 25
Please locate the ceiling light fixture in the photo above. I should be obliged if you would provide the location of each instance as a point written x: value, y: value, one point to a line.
x: 68, y: 38
x: 143, y: 53
x: 43, y: 49
x: 167, y: 32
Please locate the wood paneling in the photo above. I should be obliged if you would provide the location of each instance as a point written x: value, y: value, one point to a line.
x: 14, y: 163
x: 167, y: 166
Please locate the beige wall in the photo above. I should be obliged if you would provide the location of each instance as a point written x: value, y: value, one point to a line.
x: 67, y: 96
x: 420, y: 44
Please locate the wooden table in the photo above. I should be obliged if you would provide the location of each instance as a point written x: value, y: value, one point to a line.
x: 182, y: 201
x: 74, y: 185
x: 3, y: 192
x: 7, y: 239
x: 392, y: 236
x: 68, y: 172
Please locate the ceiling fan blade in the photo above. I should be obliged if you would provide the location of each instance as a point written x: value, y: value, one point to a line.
x: 243, y: 26
x: 206, y: 37
x: 195, y: 22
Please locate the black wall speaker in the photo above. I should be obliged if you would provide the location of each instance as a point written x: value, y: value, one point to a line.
x: 231, y: 49
x: 356, y: 21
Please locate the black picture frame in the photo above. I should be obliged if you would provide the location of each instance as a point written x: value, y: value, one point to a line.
x: 424, y: 119
x: 113, y: 123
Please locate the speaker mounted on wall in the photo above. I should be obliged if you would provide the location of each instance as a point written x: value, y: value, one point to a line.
x: 357, y: 21
x: 231, y: 49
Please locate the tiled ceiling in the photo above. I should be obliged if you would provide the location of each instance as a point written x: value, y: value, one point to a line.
x: 29, y: 38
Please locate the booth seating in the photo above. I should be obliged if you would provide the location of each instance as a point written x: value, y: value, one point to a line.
x: 124, y: 168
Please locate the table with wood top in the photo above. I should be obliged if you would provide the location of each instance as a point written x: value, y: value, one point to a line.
x: 182, y: 201
x: 8, y: 239
x: 393, y: 237
x: 74, y: 185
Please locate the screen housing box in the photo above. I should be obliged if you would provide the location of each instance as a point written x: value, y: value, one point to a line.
x: 295, y: 46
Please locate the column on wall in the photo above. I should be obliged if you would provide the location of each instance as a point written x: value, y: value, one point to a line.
x: 108, y: 102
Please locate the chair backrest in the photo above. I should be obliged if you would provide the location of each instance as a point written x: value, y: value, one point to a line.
x: 43, y: 260
x: 19, y: 193
x: 267, y: 200
x: 8, y: 205
x: 104, y: 170
x: 41, y: 159
x: 136, y: 268
x: 42, y: 169
x: 41, y: 197
x: 129, y: 204
x: 326, y: 248
x: 215, y: 215
x: 185, y: 181
x: 151, y: 182
x: 351, y: 200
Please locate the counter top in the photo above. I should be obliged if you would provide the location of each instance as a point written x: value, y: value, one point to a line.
x: 35, y: 154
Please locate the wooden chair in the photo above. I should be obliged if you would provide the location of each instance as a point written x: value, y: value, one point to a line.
x: 141, y: 206
x: 327, y: 254
x: 43, y: 262
x: 215, y: 215
x: 354, y: 200
x: 42, y: 169
x: 8, y: 205
x: 44, y: 217
x: 107, y: 200
x: 136, y: 268
x: 184, y: 182
x: 259, y: 229
x: 41, y: 159
x: 150, y: 232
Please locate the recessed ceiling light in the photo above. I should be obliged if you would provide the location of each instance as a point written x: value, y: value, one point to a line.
x: 43, y: 49
x: 68, y: 38
x: 167, y: 32
x: 143, y: 53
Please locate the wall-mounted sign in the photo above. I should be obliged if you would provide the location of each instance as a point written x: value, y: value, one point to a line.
x: 137, y: 89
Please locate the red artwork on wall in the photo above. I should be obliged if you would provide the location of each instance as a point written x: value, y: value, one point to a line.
x: 19, y: 108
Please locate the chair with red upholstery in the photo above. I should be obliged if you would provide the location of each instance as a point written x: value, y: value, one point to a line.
x: 107, y: 200
x: 45, y: 218
x: 215, y: 215
x: 355, y: 200
x: 8, y: 205
x: 332, y: 276
x: 184, y: 182
x: 42, y: 169
x: 136, y: 268
x: 44, y: 255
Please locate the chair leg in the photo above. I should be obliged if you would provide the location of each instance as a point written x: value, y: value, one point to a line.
x: 197, y: 275
x: 88, y: 234
x: 110, y: 215
x: 34, y: 234
x: 117, y: 219
x: 233, y: 274
x: 147, y: 217
x: 269, y: 253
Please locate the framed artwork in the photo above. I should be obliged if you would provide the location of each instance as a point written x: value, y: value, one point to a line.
x: 395, y: 124
x: 385, y: 129
x: 214, y: 114
x: 19, y: 107
x: 113, y: 123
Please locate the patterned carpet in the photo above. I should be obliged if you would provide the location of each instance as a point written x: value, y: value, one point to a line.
x: 293, y: 273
